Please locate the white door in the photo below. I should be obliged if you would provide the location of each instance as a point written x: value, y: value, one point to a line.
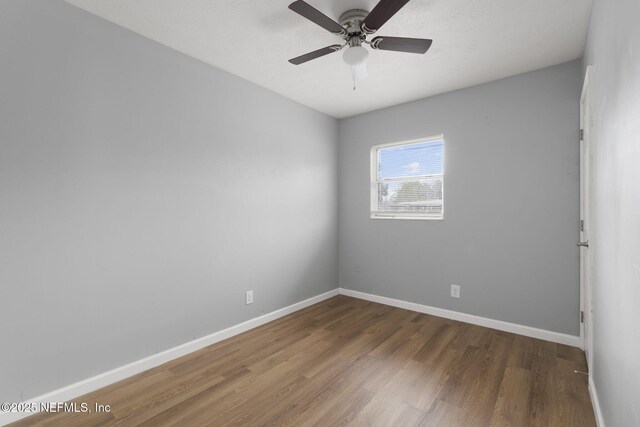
x: 585, y: 269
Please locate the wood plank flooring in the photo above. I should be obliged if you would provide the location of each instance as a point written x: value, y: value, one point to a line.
x: 351, y: 362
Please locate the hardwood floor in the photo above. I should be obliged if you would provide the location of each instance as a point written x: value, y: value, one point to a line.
x: 351, y: 362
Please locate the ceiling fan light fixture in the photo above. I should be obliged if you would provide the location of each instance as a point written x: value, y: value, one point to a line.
x: 355, y: 56
x: 359, y: 72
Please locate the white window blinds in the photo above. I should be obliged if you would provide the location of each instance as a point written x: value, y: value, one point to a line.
x: 407, y: 180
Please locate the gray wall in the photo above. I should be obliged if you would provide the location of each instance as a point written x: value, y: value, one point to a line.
x: 511, y: 202
x: 613, y: 48
x: 141, y: 193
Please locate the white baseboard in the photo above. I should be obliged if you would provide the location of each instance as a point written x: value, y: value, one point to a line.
x: 528, y: 331
x: 102, y: 380
x: 595, y: 402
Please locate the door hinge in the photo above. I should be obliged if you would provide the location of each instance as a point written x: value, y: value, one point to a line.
x: 581, y: 134
x: 582, y: 317
x: 582, y: 225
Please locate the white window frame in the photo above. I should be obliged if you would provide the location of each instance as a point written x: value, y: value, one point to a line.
x: 375, y: 181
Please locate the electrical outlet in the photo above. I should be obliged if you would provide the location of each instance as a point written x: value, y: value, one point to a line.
x: 248, y: 297
x: 455, y: 291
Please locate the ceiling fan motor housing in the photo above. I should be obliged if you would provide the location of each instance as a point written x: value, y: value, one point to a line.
x: 351, y: 20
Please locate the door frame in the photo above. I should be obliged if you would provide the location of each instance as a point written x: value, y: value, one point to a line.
x: 586, y: 297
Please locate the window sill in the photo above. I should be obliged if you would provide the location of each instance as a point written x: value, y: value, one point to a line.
x: 413, y: 217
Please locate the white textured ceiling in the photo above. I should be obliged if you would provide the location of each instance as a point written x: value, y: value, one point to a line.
x: 474, y: 42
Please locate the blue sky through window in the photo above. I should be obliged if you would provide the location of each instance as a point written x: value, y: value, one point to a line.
x: 424, y: 158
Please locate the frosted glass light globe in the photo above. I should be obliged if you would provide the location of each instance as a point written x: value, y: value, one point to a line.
x: 355, y: 56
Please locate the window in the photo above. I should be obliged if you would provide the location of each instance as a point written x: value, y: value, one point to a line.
x: 407, y: 179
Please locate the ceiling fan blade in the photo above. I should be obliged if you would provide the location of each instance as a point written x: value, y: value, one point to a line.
x: 380, y: 14
x: 315, y: 54
x: 314, y: 15
x: 401, y: 44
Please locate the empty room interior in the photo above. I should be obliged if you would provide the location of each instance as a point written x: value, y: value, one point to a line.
x: 320, y: 213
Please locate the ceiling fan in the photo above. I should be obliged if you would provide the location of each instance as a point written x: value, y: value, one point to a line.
x: 354, y: 26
